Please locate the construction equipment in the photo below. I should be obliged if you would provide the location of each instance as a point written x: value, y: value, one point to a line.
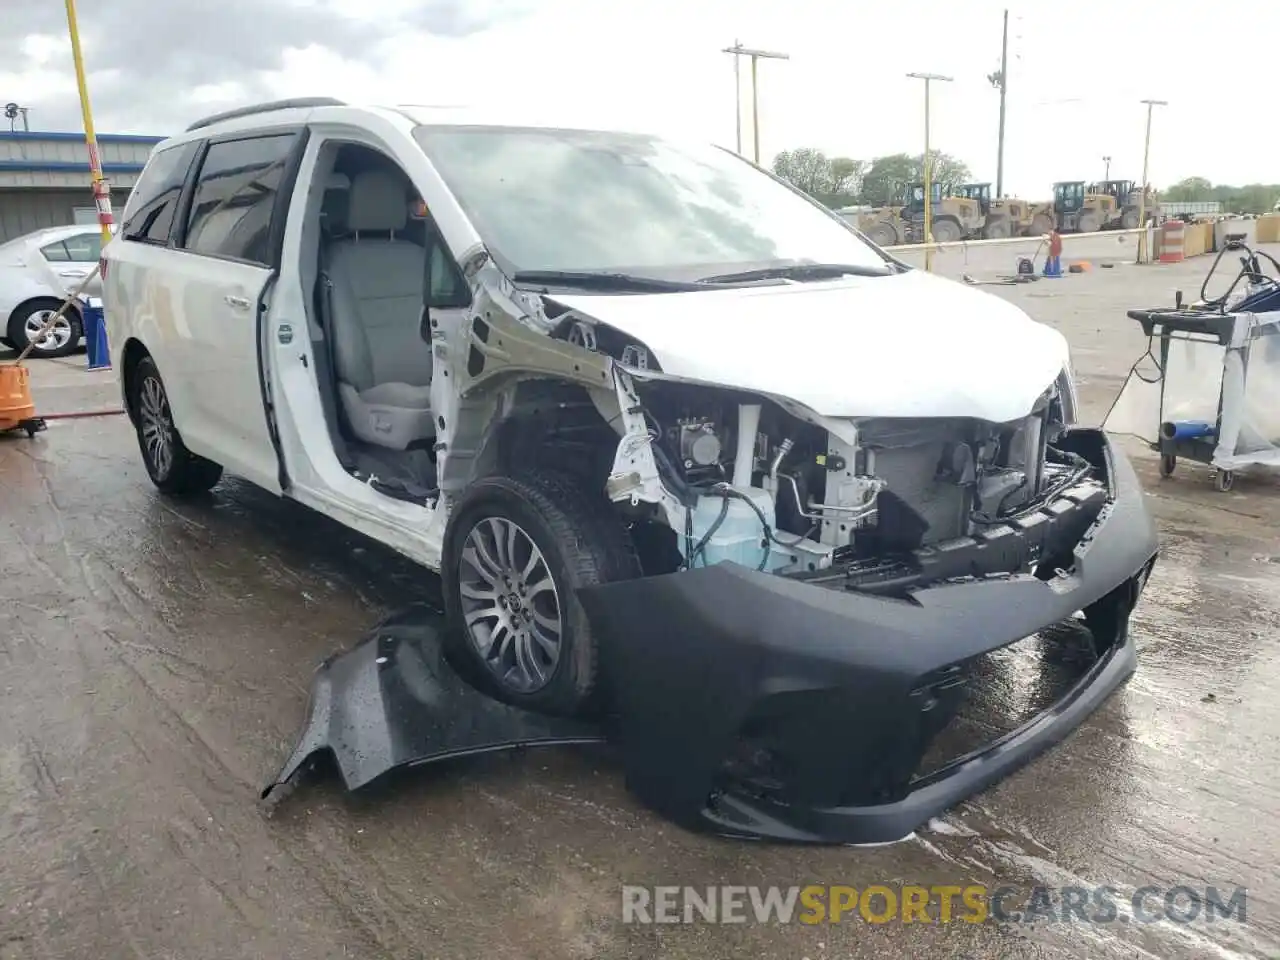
x: 882, y: 225
x: 954, y: 217
x: 1005, y: 216
x: 1127, y: 198
x: 1076, y: 210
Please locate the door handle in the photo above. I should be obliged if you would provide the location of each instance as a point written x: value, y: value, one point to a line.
x: 73, y: 274
x: 238, y: 303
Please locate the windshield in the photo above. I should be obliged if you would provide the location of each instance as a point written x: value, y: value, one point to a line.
x: 568, y: 200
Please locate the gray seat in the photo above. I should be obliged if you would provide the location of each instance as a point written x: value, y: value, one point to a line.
x: 382, y: 363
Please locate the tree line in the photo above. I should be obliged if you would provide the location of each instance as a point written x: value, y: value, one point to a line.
x: 843, y: 181
x: 1251, y: 198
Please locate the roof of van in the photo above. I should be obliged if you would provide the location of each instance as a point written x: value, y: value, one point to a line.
x: 280, y: 113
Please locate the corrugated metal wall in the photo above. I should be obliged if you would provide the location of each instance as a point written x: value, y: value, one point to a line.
x: 22, y: 211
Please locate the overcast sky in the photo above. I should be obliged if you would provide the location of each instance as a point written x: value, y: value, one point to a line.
x: 1075, y: 80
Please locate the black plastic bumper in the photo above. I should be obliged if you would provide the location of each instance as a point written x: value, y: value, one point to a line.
x: 765, y: 706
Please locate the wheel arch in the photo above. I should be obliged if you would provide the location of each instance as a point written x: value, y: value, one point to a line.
x: 133, y: 353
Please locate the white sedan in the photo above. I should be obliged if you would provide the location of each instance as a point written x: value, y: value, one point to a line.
x: 37, y: 271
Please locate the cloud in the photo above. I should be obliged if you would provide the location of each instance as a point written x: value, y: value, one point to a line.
x: 1073, y: 96
x: 153, y: 63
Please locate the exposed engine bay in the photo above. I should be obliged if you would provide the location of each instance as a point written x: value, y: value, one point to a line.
x: 764, y: 489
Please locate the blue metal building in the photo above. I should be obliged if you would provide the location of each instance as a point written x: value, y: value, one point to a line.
x: 45, y: 182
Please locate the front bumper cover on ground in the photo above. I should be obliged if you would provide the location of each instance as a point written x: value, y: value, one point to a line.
x: 762, y: 706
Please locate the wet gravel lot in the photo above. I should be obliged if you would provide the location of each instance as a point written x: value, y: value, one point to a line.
x: 154, y: 665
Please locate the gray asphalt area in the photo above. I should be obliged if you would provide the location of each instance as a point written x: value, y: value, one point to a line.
x: 155, y: 659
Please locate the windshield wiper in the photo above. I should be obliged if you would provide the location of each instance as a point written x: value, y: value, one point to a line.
x: 591, y: 280
x: 802, y: 271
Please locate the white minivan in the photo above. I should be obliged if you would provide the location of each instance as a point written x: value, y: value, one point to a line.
x: 554, y: 364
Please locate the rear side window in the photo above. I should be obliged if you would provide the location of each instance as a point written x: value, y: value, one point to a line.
x: 148, y: 216
x: 235, y: 196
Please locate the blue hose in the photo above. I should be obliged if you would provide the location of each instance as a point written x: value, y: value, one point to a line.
x: 1187, y: 429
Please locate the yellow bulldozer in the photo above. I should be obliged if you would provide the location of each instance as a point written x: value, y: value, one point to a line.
x: 1123, y: 212
x: 953, y: 217
x: 1005, y: 216
x: 1078, y: 210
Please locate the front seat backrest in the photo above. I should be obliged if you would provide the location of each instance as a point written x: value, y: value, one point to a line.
x: 383, y: 365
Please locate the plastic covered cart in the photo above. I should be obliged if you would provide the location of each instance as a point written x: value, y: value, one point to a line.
x: 1207, y: 389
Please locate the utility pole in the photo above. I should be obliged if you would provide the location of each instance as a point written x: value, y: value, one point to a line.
x: 1004, y: 90
x: 1142, y: 196
x: 737, y: 95
x: 1107, y: 174
x: 738, y: 50
x: 928, y: 78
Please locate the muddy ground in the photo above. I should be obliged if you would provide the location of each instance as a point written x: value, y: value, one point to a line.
x: 154, y: 666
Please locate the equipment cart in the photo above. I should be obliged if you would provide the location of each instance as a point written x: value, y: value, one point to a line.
x: 1208, y: 387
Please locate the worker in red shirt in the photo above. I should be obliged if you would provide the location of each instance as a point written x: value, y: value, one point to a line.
x: 1053, y: 262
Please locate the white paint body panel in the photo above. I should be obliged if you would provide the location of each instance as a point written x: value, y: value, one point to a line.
x: 908, y: 345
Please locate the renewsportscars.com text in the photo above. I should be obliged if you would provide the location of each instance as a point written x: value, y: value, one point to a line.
x: 906, y: 903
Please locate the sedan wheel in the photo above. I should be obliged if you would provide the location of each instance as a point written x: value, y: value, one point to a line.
x: 59, y: 340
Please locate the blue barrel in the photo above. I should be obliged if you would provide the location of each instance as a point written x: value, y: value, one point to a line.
x: 95, y: 334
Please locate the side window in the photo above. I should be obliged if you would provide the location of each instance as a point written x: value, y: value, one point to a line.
x: 84, y: 247
x: 447, y: 288
x: 56, y: 252
x: 148, y: 215
x: 235, y: 196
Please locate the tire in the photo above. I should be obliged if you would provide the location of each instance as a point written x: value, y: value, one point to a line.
x: 579, y: 541
x: 883, y: 235
x: 1087, y: 223
x: 1040, y: 225
x: 946, y: 231
x: 60, y: 341
x: 172, y: 467
x: 996, y: 229
x: 1168, y: 464
x: 1129, y: 219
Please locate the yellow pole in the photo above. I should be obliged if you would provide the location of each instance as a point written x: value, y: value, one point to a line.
x: 1142, y: 195
x: 928, y: 186
x: 755, y: 112
x: 101, y: 191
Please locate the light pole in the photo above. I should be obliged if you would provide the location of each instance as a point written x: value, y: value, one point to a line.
x: 738, y: 50
x: 1107, y: 174
x: 928, y: 78
x: 1142, y: 196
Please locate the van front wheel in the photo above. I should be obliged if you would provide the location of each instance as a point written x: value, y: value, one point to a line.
x: 172, y: 467
x: 516, y: 552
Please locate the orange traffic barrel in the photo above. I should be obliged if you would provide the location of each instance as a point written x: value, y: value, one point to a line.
x: 16, y: 405
x: 1172, y: 233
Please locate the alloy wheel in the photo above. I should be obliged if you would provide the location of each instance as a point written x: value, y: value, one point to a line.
x: 156, y: 425
x: 511, y: 608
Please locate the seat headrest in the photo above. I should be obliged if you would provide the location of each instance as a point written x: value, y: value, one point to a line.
x: 377, y: 201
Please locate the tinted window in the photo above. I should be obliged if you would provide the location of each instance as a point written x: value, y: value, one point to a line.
x: 234, y: 198
x: 84, y: 247
x: 581, y: 200
x: 56, y: 252
x: 148, y: 216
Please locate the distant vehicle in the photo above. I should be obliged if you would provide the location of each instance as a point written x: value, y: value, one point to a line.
x: 37, y: 271
x: 1203, y: 208
x: 1126, y: 213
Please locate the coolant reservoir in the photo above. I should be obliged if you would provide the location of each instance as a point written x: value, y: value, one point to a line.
x: 740, y: 537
